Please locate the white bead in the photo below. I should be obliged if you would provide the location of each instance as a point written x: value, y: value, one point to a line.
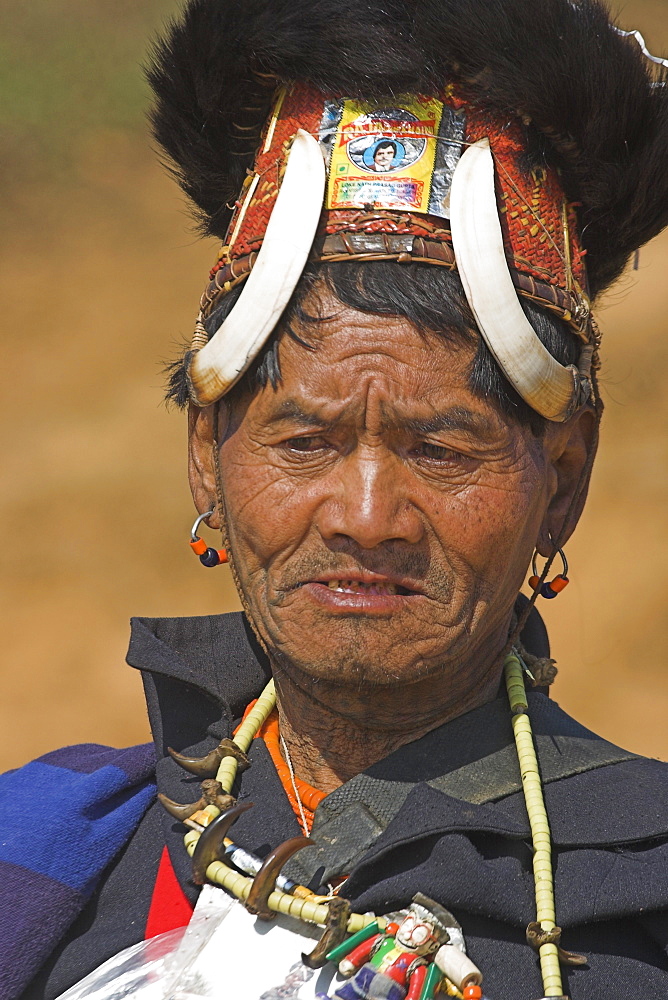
x: 457, y: 966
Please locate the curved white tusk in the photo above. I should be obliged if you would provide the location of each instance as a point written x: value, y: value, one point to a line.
x: 547, y: 386
x: 285, y: 248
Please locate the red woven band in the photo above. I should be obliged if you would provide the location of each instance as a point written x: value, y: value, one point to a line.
x: 539, y: 226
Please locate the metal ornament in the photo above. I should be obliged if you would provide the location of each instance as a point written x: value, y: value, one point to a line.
x: 207, y: 556
x: 643, y: 46
x: 550, y: 589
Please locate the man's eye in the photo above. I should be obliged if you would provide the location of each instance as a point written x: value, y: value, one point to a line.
x: 305, y: 444
x: 437, y: 452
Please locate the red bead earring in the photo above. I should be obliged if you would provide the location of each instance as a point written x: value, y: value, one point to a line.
x: 207, y: 555
x: 553, y: 587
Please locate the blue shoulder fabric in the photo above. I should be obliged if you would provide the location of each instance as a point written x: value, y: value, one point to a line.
x: 63, y: 818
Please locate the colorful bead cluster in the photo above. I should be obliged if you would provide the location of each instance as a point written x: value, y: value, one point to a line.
x: 550, y: 588
x: 207, y: 555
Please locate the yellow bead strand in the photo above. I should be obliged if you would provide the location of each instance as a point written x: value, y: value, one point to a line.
x: 308, y: 910
x: 254, y: 721
x: 538, y: 821
x: 246, y: 732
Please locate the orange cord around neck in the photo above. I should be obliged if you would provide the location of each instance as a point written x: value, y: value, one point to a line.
x: 310, y: 797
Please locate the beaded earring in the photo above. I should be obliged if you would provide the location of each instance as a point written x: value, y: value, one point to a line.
x: 550, y: 589
x: 207, y: 555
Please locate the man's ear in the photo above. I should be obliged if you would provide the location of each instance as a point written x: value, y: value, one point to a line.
x: 201, y: 459
x: 572, y: 448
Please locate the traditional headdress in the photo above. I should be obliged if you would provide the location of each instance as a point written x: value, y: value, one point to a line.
x: 527, y: 151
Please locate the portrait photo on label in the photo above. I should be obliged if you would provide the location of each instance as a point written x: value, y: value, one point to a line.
x: 384, y: 145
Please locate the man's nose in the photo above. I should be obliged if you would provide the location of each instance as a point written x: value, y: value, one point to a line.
x: 370, y: 502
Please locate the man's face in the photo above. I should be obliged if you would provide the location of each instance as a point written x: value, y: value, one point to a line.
x: 380, y: 515
x: 383, y: 158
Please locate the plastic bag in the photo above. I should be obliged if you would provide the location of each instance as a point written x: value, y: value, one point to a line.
x: 149, y: 970
x: 138, y: 971
x: 223, y: 954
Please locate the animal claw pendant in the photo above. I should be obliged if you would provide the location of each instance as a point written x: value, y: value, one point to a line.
x: 212, y: 795
x: 207, y: 766
x: 211, y: 845
x: 334, y: 933
x: 264, y: 883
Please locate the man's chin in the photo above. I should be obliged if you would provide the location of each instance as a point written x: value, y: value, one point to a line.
x: 358, y: 649
x: 354, y: 664
x: 348, y: 669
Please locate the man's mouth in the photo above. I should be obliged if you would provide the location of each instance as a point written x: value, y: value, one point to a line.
x: 378, y: 589
x: 367, y: 593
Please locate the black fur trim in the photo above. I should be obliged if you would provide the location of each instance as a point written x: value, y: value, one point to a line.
x: 596, y: 106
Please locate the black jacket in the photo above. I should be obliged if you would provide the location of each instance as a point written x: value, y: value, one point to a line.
x: 444, y: 815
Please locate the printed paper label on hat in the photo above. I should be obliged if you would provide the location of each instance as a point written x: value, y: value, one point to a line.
x: 397, y: 157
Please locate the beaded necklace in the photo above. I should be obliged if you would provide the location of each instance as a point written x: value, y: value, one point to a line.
x: 204, y: 843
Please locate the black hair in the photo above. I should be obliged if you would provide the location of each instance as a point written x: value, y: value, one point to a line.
x: 590, y: 101
x: 383, y: 144
x: 431, y: 298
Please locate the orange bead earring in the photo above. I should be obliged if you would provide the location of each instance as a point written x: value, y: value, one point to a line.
x: 553, y: 587
x: 207, y: 555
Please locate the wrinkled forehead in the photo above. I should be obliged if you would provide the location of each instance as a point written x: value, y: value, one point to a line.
x: 380, y: 373
x: 329, y: 332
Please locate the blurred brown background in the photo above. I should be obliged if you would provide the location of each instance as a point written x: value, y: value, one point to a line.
x: 100, y: 277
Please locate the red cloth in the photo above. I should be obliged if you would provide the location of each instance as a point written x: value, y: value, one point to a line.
x: 170, y: 907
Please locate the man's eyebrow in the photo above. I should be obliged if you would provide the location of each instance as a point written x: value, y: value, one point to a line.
x: 290, y: 409
x: 458, y: 418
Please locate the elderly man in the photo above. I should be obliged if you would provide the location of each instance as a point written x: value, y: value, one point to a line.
x: 393, y: 412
